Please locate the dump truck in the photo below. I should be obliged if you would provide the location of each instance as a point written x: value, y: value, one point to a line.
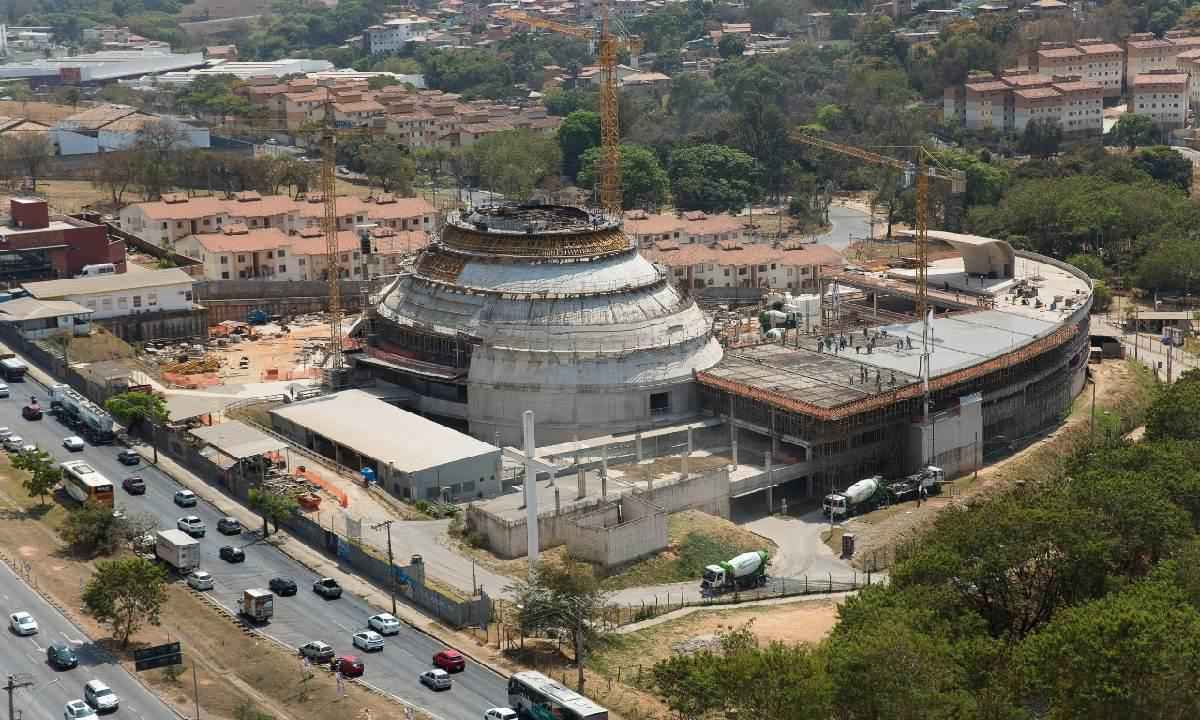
x: 744, y: 571
x: 177, y: 549
x: 860, y: 497
x: 257, y: 605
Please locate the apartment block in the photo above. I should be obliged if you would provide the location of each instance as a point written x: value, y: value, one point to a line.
x: 734, y: 264
x: 1009, y: 103
x: 1146, y: 53
x: 687, y: 228
x: 395, y: 35
x: 1188, y: 63
x: 1103, y: 63
x: 1162, y: 95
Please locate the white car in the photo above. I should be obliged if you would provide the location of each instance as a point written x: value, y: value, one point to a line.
x: 368, y: 640
x: 499, y: 713
x: 100, y: 696
x: 199, y: 580
x: 3, y: 390
x: 384, y: 624
x: 192, y: 525
x: 13, y: 443
x: 5, y: 432
x: 22, y: 623
x: 79, y: 710
x: 74, y: 443
x: 436, y: 679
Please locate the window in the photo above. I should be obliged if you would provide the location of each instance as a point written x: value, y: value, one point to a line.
x: 137, y: 301
x: 187, y: 295
x: 345, y: 257
x: 283, y: 268
x: 270, y: 255
x: 281, y: 253
x: 207, y: 221
x: 122, y: 303
x: 300, y: 262
x: 660, y: 403
x: 241, y: 258
x: 106, y: 303
x: 152, y: 299
x: 225, y: 275
x: 224, y: 259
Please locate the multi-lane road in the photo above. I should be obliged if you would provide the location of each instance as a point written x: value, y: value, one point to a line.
x: 297, y: 619
x: 25, y: 657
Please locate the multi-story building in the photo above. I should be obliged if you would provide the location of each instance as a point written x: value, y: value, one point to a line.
x: 38, y: 245
x: 734, y: 264
x: 1189, y: 63
x: 1161, y: 95
x: 1008, y: 104
x: 1082, y: 108
x: 395, y: 35
x: 1145, y: 53
x: 117, y: 295
x: 684, y: 228
x: 1104, y: 64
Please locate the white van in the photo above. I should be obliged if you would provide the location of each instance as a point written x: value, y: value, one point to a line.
x: 98, y: 269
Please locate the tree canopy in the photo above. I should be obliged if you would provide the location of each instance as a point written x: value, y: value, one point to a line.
x: 644, y: 182
x: 713, y: 178
x: 125, y: 594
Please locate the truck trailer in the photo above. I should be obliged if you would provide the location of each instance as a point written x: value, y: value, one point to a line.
x: 177, y: 549
x: 744, y: 571
x: 257, y: 605
x: 92, y: 421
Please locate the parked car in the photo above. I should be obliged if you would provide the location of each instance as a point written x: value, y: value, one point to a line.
x: 192, y: 525
x: 61, y: 656
x: 200, y: 580
x: 232, y: 554
x: 100, y: 696
x: 78, y: 710
x: 229, y: 526
x: 134, y: 485
x: 348, y: 665
x: 368, y: 640
x: 22, y: 623
x: 384, y: 624
x: 450, y: 661
x: 5, y: 432
x: 4, y: 390
x: 13, y: 443
x: 129, y: 457
x: 317, y: 651
x: 74, y: 443
x: 282, y: 586
x: 436, y: 679
x: 185, y: 498
x: 327, y: 588
x: 499, y: 713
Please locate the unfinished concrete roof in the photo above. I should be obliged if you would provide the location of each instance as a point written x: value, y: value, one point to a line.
x: 981, y: 255
x: 371, y: 427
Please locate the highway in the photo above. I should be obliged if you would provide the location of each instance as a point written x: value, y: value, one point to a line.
x: 298, y: 619
x: 52, y: 689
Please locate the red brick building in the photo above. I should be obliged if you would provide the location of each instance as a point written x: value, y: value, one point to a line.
x: 36, y: 245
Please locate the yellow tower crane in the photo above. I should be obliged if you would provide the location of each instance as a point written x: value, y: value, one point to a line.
x: 923, y: 171
x: 607, y: 47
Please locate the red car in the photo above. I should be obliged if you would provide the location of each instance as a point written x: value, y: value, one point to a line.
x: 450, y: 661
x: 350, y: 666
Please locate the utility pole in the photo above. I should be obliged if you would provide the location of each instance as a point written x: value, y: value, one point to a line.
x: 10, y: 686
x: 392, y: 572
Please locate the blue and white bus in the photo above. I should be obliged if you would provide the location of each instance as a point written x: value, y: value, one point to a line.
x: 537, y: 697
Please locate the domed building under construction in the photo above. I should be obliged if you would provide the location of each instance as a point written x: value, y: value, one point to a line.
x: 543, y: 308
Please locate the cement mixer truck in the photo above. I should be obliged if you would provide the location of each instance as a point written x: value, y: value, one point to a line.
x: 744, y: 571
x: 859, y: 497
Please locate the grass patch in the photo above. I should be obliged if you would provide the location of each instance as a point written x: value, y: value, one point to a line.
x: 695, y: 539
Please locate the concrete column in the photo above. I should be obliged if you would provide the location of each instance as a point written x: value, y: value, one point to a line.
x: 683, y: 469
x: 770, y: 500
x: 604, y: 460
x: 808, y: 486
x: 637, y: 441
x: 604, y: 483
x: 557, y: 503
x: 531, y: 505
x: 733, y: 448
x: 767, y: 458
x: 582, y: 484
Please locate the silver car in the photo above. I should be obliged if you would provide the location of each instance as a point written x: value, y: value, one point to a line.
x: 100, y: 696
x: 200, y: 580
x: 368, y: 640
x: 436, y: 679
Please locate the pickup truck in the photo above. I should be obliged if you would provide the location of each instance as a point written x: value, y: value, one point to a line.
x: 327, y: 588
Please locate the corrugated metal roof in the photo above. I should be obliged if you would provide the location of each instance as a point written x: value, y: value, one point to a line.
x: 51, y: 289
x: 238, y: 440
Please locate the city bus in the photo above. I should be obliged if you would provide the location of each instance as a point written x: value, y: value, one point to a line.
x: 535, y: 696
x: 85, y: 484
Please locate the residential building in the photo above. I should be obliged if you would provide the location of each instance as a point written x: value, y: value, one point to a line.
x: 1082, y: 107
x: 1163, y: 95
x: 107, y: 128
x: 1187, y: 63
x: 39, y: 319
x: 1093, y: 59
x: 238, y: 253
x: 395, y: 35
x: 1144, y: 53
x: 733, y: 264
x: 1050, y: 8
x: 1008, y: 103
x: 117, y: 295
x: 37, y: 244
x: 685, y: 228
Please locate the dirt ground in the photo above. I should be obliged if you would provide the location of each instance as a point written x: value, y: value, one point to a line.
x: 231, y: 669
x: 274, y: 350
x: 1118, y: 385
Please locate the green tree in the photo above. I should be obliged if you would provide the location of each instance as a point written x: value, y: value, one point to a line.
x: 579, y: 131
x: 564, y: 598
x: 1175, y: 414
x: 272, y: 506
x: 1132, y: 130
x: 44, y: 473
x: 93, y: 529
x: 713, y: 178
x: 1041, y: 138
x: 1090, y: 264
x: 644, y: 182
x: 1171, y: 264
x: 388, y: 165
x: 514, y: 162
x: 125, y: 594
x: 1166, y: 166
x: 731, y: 46
x: 132, y: 408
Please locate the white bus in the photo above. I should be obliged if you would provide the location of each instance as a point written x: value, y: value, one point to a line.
x: 535, y: 696
x: 85, y: 484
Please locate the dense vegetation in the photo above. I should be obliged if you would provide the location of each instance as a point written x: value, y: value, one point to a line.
x: 1076, y: 595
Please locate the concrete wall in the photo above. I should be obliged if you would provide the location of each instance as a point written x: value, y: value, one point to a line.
x: 637, y: 530
x: 952, y: 440
x: 232, y: 299
x: 192, y: 323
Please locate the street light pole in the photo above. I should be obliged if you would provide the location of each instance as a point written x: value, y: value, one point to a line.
x: 391, y: 564
x: 10, y: 686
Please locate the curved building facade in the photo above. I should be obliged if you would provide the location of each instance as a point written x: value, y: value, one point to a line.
x: 543, y: 308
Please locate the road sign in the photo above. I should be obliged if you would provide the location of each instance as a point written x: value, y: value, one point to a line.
x: 157, y: 656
